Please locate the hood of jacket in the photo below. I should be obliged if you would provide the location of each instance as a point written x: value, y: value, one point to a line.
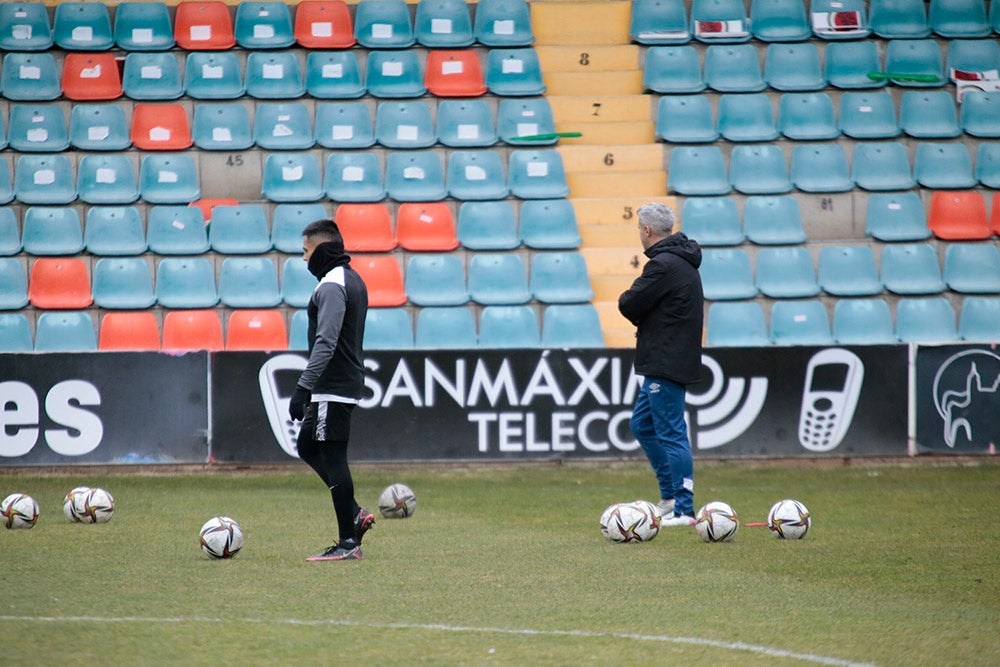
x: 677, y: 244
x: 326, y: 257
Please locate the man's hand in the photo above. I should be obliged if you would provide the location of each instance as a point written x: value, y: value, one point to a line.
x: 297, y: 404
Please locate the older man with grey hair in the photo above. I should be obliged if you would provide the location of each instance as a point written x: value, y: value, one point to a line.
x: 666, y: 305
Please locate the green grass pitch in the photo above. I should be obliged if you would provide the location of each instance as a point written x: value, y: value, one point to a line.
x: 506, y: 565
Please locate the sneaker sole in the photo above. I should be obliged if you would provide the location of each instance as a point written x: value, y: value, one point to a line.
x: 316, y: 559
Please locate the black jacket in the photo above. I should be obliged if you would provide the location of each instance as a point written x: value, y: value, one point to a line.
x: 666, y: 305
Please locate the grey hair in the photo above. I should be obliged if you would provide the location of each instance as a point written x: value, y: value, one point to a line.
x: 658, y: 217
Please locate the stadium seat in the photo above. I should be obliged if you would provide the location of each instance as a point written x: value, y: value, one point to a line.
x: 98, y: 127
x: 443, y: 24
x: 536, y: 174
x: 208, y: 206
x: 848, y: 64
x: 800, y: 323
x: 91, y: 76
x: 423, y: 227
x: 366, y: 227
x: 186, y: 282
x: 807, y: 117
x: 503, y: 23
x: 123, y: 283
x: 954, y: 19
x: 759, y: 169
x: 263, y: 25
x: 979, y: 319
x: 384, y: 279
x: 487, y: 225
x: 839, y: 19
x: 659, y: 22
x: 994, y: 18
x: 289, y: 220
x: 135, y: 332
x: 722, y: 21
x: 509, y: 327
x: 168, y: 179
x: 415, y: 176
x: 863, y: 322
x: 475, y: 175
x: 176, y: 230
x: 944, y: 166
x: 995, y: 214
x: 970, y: 58
x: 685, y: 119
x: 292, y: 177
x: 192, y: 330
x: 520, y: 119
x: 773, y: 220
x: 388, y: 329
x: 514, y: 73
x: 980, y: 114
x: 793, y: 67
x: 274, y: 75
x: 51, y: 231
x: 404, y: 124
x: 29, y: 77
x: 549, y: 224
x: 71, y: 331
x: 820, y: 168
x: 221, y: 127
x: 152, y: 76
x: 37, y: 128
x: 25, y: 27
x: 160, y: 127
x: 868, y: 115
x: 733, y: 68
x: 203, y: 26
x: 698, y: 171
x: 925, y: 321
x: 929, y: 114
x: 560, y: 277
x: 881, y: 166
x: 848, y: 271
x: 911, y: 268
x: 239, y: 230
x: 383, y: 25
x: 261, y: 330
x: 343, y: 125
x: 59, y: 283
x: 13, y: 284
x: 896, y: 216
x: 712, y: 221
x: 353, y: 177
x: 445, y: 328
x: 106, y: 179
x: 779, y: 20
x: 899, y: 19
x: 15, y: 333
x: 44, y: 179
x: 786, y: 273
x: 959, y: 216
x: 747, y: 117
x: 10, y: 235
x: 988, y: 165
x: 465, y: 123
x: 143, y: 26
x: 333, y: 75
x: 498, y: 279
x: 917, y: 62
x: 436, y: 280
x: 726, y: 274
x: 736, y: 324
x: 672, y: 69
x: 298, y: 331
x: 394, y: 74
x: 6, y: 185
x: 972, y: 268
x: 213, y: 75
x: 324, y: 25
x: 571, y: 326
x: 114, y: 231
x: 454, y: 74
x: 82, y: 26
x: 283, y: 126
x: 249, y: 282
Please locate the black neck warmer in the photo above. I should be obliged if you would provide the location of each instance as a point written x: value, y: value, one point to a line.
x: 327, y: 256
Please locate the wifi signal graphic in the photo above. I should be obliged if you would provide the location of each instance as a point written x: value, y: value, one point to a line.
x: 726, y: 409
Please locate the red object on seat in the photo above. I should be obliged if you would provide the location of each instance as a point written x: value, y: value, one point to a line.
x: 256, y: 330
x: 208, y: 205
x: 192, y: 330
x: 204, y: 26
x: 426, y: 226
x: 160, y: 127
x: 129, y: 331
x: 383, y: 278
x: 454, y: 74
x: 366, y: 227
x: 91, y: 76
x: 958, y: 216
x: 61, y: 283
x: 324, y: 25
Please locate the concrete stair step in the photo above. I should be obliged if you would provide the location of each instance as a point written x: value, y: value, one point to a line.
x: 621, y: 132
x: 589, y: 58
x: 614, y: 209
x: 621, y: 184
x: 610, y: 158
x: 581, y: 22
x: 601, y: 108
x: 593, y: 83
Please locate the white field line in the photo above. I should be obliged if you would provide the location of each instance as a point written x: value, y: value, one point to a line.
x: 696, y: 641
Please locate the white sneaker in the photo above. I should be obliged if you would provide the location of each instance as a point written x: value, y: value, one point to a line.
x: 665, y: 508
x: 676, y: 520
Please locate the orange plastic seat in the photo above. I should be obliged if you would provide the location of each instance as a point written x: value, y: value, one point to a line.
x: 160, y: 127
x: 995, y: 214
x: 366, y: 227
x: 203, y: 26
x: 958, y: 216
x: 324, y: 25
x: 208, y: 205
x: 426, y: 226
x: 256, y: 330
x: 129, y: 331
x: 59, y: 283
x: 91, y: 76
x: 383, y: 278
x: 192, y: 330
x: 454, y: 74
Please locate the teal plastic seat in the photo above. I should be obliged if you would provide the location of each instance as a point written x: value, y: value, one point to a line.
x: 213, y: 75
x: 979, y: 319
x: 443, y: 24
x: 848, y: 271
x: 770, y: 220
x: 685, y: 119
x: 82, y: 26
x: 899, y: 19
x: 176, y: 230
x: 239, y: 230
x: 274, y: 75
x: 415, y: 176
x: 759, y: 170
x: 334, y: 75
x: 800, y: 323
x: 436, y: 280
x: 707, y: 16
x: 388, y: 329
x: 283, y: 126
x: 971, y: 55
x: 475, y: 175
x: 514, y: 73
x: 980, y: 114
x: 747, y: 118
x: 186, y: 282
x: 698, y: 171
x: 487, y: 225
x: 520, y: 119
x: 536, y: 174
x: 123, y: 283
x: 896, y: 216
x: 839, y: 19
x: 98, y: 127
x: 560, y: 277
x: 503, y: 23
x: 672, y: 69
x: 106, y: 179
x: 24, y: 26
x: 292, y: 177
x: 929, y: 114
x: 263, y: 25
x: 114, y: 231
x: 394, y: 74
x: 498, y: 279
x: 297, y: 284
x: 44, y: 179
x: 168, y: 179
x: 921, y: 57
x: 863, y: 322
x: 736, y: 324
x: 868, y: 115
x: 221, y: 127
x: 733, y: 68
x: 10, y: 235
x: 509, y: 327
x: 943, y: 166
x: 549, y: 224
x: 712, y: 221
x: 571, y: 326
x: 37, y: 128
x: 30, y: 77
x: 298, y: 332
x: 807, y: 117
x: 848, y: 64
x: 353, y: 177
x: 3, y: 135
x: 779, y: 20
x: 15, y: 333
x: 6, y: 184
x: 726, y: 274
x: 249, y: 282
x: 988, y: 165
x: 882, y: 166
x: 143, y: 26
x: 288, y: 221
x: 911, y: 268
x: 659, y: 22
x: 972, y: 268
x: 13, y: 284
x: 958, y: 19
x: 820, y: 168
x: 793, y: 67
x: 445, y: 328
x: 65, y: 331
x: 786, y: 273
x: 465, y: 124
x: 925, y: 321
x: 152, y: 76
x: 52, y: 231
x: 343, y: 125
x: 404, y: 124
x: 383, y: 25
x: 995, y: 18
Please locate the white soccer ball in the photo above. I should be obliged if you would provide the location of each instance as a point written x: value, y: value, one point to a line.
x: 221, y: 537
x: 629, y: 522
x: 69, y: 502
x: 397, y: 501
x: 86, y: 505
x: 19, y: 510
x: 789, y: 519
x: 716, y: 522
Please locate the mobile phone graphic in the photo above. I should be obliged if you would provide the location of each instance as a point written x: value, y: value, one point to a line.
x: 278, y: 377
x: 833, y: 384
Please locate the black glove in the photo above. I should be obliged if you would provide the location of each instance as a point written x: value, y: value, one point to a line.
x: 297, y: 405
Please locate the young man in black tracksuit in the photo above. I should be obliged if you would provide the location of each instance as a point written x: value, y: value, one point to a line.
x: 333, y: 380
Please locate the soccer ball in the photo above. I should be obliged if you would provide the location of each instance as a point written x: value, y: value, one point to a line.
x: 221, y: 537
x: 789, y: 519
x: 19, y: 510
x: 86, y: 505
x: 716, y: 522
x: 397, y: 501
x: 630, y: 522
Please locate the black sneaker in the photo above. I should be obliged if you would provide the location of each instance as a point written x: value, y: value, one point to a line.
x: 363, y: 523
x: 339, y: 552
